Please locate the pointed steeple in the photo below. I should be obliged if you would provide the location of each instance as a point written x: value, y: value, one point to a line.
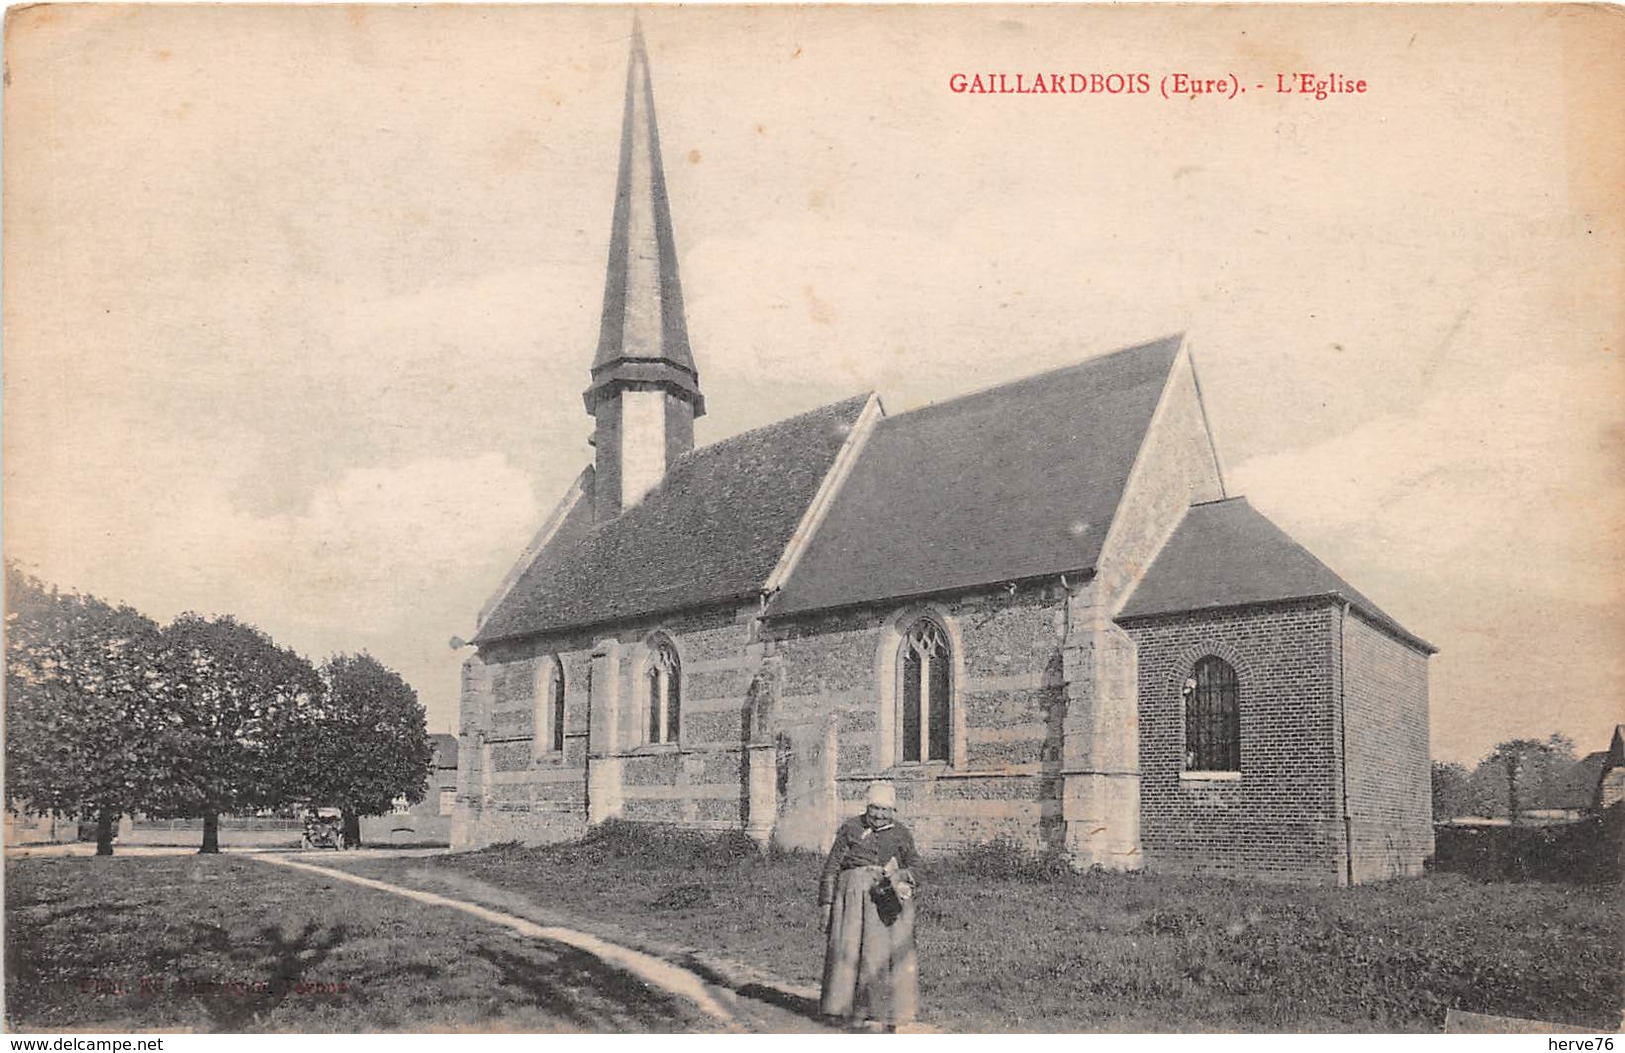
x: 643, y: 337
x: 645, y: 391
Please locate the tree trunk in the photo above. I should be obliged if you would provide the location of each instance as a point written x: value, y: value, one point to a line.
x: 105, y: 821
x: 211, y: 834
x: 352, y: 829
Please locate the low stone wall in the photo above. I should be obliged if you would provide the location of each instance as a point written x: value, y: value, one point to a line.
x: 234, y: 833
x: 379, y: 831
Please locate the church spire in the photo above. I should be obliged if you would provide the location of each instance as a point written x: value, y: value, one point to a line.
x: 643, y: 336
x: 645, y: 390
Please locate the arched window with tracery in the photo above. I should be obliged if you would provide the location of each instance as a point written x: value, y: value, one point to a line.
x: 548, y: 720
x: 663, y: 684
x: 925, y: 693
x: 1212, y: 717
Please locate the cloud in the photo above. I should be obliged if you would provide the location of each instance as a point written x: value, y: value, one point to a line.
x: 393, y: 559
x: 1490, y: 519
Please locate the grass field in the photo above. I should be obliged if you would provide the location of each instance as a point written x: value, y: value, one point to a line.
x: 1005, y: 944
x: 217, y: 943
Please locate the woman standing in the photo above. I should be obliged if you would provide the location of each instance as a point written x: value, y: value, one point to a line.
x: 867, y: 896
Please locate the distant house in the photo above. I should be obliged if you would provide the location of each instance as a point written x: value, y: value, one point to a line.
x: 1610, y: 782
x: 428, y: 821
x: 1594, y: 782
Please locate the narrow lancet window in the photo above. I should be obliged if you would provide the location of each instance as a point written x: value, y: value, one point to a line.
x: 926, y: 691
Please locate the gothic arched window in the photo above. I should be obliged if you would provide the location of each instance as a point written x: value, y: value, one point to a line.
x: 1212, y: 717
x: 663, y: 685
x: 555, y: 697
x: 548, y: 720
x: 925, y: 692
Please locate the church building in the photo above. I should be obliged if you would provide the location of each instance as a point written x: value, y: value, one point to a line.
x: 1035, y: 608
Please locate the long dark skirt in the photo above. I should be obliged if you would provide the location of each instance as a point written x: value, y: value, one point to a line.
x: 870, y: 970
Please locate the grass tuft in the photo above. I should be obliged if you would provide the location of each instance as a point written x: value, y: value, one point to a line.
x: 1004, y: 859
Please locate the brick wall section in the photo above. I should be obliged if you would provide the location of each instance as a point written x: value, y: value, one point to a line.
x: 1389, y: 772
x: 1280, y: 819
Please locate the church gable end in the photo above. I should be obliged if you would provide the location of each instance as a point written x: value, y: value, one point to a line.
x: 1176, y: 467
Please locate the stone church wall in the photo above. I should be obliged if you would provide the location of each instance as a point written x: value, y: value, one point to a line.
x: 517, y: 789
x: 791, y: 722
x: 1279, y: 820
x: 697, y: 782
x: 1389, y: 770
x: 839, y: 669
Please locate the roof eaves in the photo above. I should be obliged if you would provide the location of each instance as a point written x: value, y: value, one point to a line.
x: 1376, y: 618
x: 619, y: 618
x: 1381, y: 621
x: 1077, y: 575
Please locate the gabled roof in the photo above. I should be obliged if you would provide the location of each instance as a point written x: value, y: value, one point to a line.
x: 1013, y: 482
x: 712, y: 531
x: 1226, y: 554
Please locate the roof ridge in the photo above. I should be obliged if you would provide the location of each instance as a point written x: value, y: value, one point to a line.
x: 1222, y: 500
x: 1176, y: 338
x: 761, y: 429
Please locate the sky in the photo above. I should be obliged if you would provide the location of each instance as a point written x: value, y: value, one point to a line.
x: 300, y: 302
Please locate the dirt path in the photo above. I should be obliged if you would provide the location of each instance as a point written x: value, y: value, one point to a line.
x: 228, y: 943
x: 647, y: 968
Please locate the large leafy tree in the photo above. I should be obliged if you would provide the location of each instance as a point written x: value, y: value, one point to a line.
x: 1456, y: 794
x: 240, y: 699
x: 90, y: 728
x: 1521, y: 775
x: 368, y: 741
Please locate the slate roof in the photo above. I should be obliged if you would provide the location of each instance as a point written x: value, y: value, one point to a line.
x: 1016, y: 481
x: 713, y: 530
x: 1226, y: 554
